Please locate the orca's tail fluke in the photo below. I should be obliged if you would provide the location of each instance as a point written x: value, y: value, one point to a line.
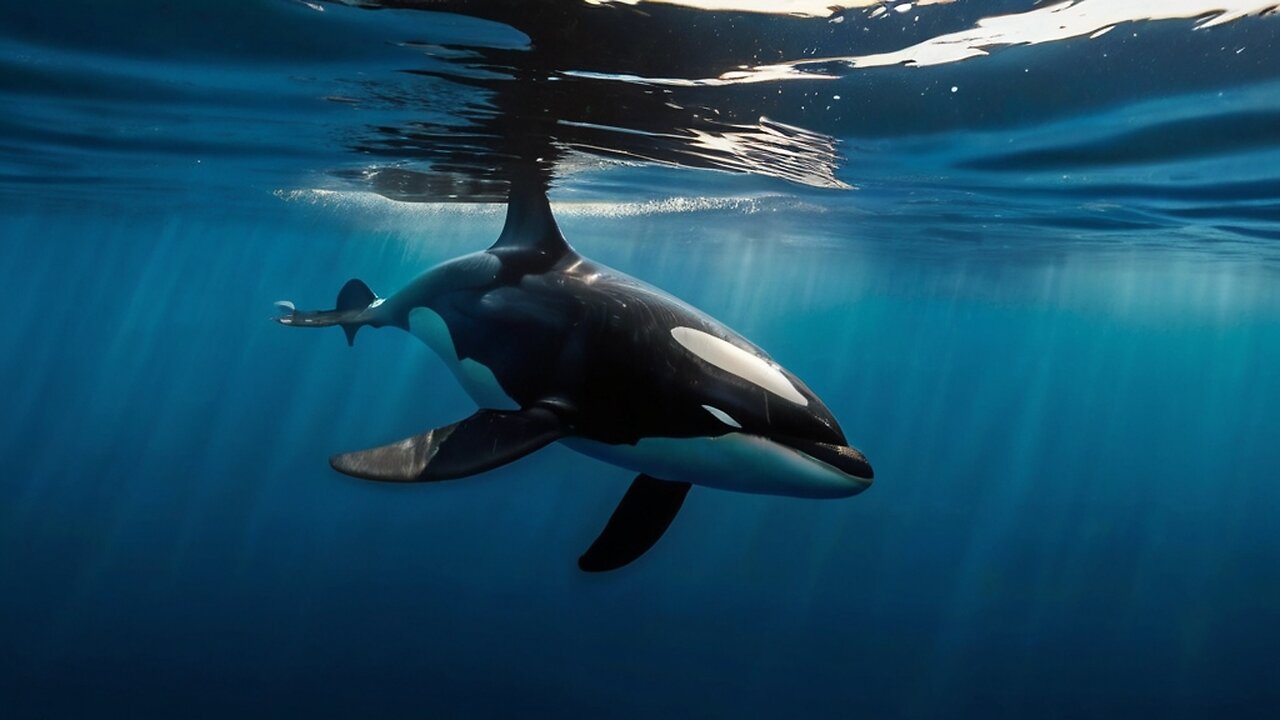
x: 355, y: 299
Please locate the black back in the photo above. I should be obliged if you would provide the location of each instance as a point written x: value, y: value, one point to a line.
x: 561, y: 331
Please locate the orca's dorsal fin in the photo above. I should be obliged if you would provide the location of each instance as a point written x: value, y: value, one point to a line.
x: 530, y: 224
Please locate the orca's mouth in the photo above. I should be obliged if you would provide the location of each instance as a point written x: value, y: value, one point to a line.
x: 847, y: 460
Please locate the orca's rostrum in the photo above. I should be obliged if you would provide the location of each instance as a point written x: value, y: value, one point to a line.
x: 554, y: 347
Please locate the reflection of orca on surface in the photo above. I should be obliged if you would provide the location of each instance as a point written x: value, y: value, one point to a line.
x: 554, y: 347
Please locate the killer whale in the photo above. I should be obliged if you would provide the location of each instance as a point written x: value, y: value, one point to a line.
x: 553, y: 347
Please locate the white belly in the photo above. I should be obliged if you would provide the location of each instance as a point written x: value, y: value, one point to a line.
x: 476, y: 379
x: 737, y: 461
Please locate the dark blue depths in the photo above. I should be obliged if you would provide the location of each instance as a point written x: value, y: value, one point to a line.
x: 1073, y: 511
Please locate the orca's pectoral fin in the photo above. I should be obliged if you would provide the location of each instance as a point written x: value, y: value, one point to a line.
x: 646, y: 511
x: 484, y: 441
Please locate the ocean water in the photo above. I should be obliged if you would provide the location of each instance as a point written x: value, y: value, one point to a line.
x: 1031, y: 263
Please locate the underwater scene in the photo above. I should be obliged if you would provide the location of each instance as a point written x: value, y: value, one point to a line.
x: 640, y: 359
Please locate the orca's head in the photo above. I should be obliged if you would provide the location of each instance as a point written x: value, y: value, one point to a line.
x: 820, y: 437
x: 846, y: 459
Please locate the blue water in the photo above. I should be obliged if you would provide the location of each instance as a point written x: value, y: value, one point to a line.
x: 1049, y: 313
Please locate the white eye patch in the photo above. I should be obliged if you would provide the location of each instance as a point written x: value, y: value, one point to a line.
x: 736, y: 361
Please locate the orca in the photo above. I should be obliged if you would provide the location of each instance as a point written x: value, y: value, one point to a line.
x: 555, y: 348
